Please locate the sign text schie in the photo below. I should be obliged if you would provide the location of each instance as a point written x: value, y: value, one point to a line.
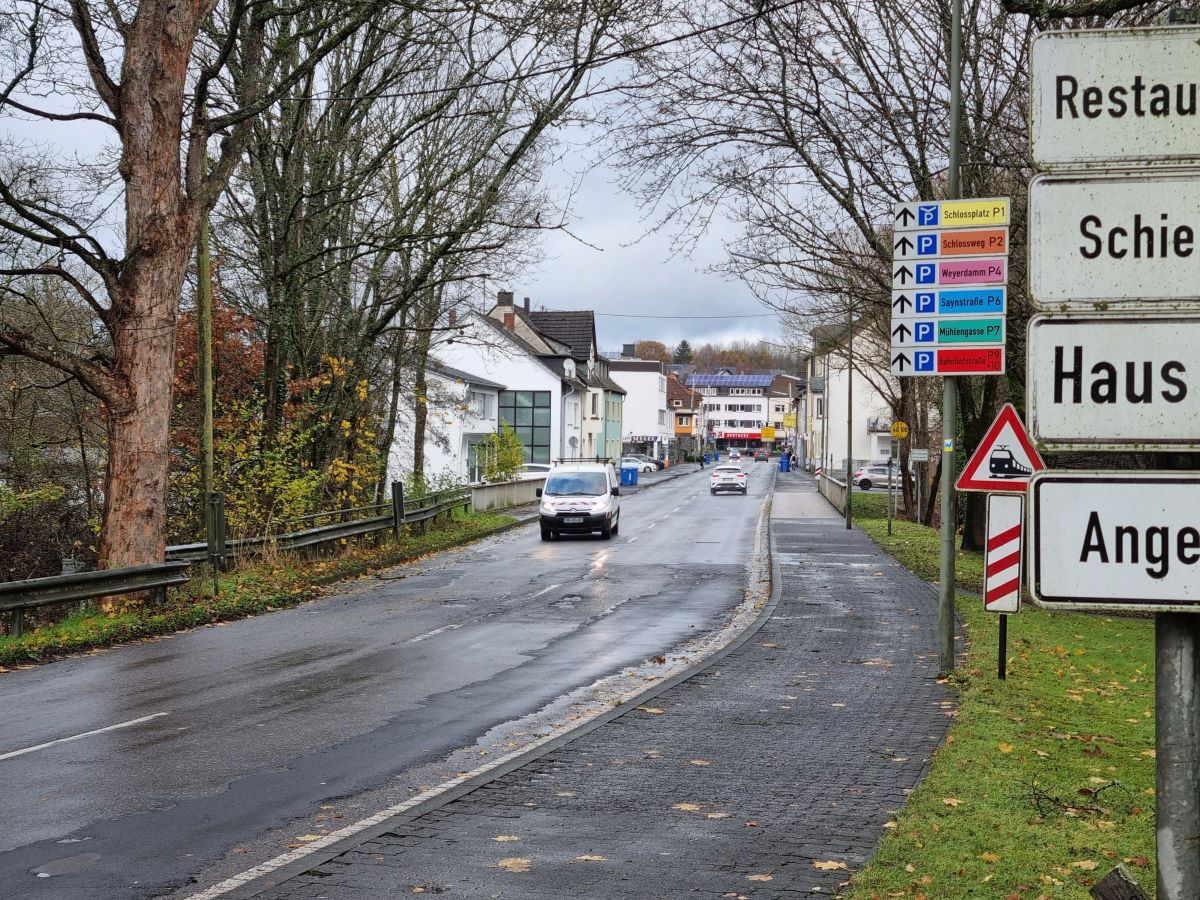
x: 1115, y: 95
x: 1105, y: 540
x: 1114, y: 238
x: 1115, y: 382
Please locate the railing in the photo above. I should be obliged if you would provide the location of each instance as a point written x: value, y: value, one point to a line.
x: 17, y: 596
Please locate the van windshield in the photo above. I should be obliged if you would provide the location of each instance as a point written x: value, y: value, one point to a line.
x: 576, y: 484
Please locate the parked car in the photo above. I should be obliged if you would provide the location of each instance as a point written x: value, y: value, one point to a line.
x: 727, y: 478
x: 761, y: 456
x: 874, y: 475
x: 580, y: 498
x: 657, y: 463
x: 642, y: 465
x: 530, y: 471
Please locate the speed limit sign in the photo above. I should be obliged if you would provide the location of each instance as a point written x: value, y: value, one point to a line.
x: 899, y: 430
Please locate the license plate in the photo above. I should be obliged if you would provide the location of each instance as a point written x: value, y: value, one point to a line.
x: 573, y: 520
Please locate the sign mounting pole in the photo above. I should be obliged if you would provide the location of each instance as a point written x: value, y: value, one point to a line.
x: 950, y: 383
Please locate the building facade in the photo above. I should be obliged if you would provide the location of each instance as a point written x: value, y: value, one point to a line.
x: 647, y: 428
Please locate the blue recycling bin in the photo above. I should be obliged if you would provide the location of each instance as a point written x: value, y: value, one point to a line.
x: 784, y: 464
x: 707, y: 457
x: 628, y: 476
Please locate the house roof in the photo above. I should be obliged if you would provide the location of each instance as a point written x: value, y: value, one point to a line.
x: 574, y: 328
x: 597, y: 380
x: 460, y: 375
x: 750, y: 381
x: 676, y: 391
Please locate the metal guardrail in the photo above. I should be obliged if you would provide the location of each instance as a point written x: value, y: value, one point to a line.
x: 18, y: 596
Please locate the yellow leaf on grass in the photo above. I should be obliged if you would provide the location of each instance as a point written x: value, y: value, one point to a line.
x: 1006, y: 748
x: 890, y: 824
x: 951, y: 801
x: 829, y: 865
x: 687, y: 807
x: 590, y: 857
x: 1086, y: 864
x: 989, y: 857
x: 760, y: 877
x: 1150, y: 753
x: 514, y: 864
x: 506, y: 837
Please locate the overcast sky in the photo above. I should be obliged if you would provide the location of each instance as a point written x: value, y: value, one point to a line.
x: 639, y: 279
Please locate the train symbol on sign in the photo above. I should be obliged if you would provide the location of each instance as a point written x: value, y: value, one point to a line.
x: 1002, y: 464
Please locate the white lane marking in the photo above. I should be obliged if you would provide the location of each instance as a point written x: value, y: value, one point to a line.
x: 547, y: 590
x: 436, y: 631
x: 677, y: 509
x: 76, y: 737
x: 651, y: 525
x: 631, y: 540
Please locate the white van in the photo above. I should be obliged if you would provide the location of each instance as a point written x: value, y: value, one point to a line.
x: 579, y: 498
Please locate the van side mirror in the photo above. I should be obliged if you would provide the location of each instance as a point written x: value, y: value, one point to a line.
x: 615, y: 491
x: 538, y: 492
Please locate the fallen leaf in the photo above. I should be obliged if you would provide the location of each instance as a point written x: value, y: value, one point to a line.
x: 653, y: 710
x: 889, y: 824
x: 415, y: 889
x: 829, y: 865
x: 1139, y: 861
x: 310, y: 837
x: 590, y: 857
x: 1150, y: 753
x: 513, y: 864
x: 1006, y: 748
x: 506, y: 837
x: 701, y: 762
x: 760, y: 877
x: 716, y: 815
x: 951, y: 801
x: 687, y: 807
x: 989, y: 857
x: 1086, y: 864
x: 564, y: 793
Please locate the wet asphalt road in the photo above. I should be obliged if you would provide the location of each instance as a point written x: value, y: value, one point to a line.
x: 252, y: 725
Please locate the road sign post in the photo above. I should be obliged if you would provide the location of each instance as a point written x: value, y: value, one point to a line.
x: 1113, y: 255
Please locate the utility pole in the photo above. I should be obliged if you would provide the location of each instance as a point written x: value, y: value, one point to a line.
x: 204, y: 348
x: 849, y: 410
x: 950, y: 384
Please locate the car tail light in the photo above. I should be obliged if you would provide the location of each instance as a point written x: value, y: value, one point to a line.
x: 741, y: 475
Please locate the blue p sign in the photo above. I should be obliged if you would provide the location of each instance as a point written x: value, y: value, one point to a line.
x: 924, y: 333
x: 927, y: 214
x: 926, y: 273
x: 927, y: 244
x: 923, y: 360
x: 926, y: 302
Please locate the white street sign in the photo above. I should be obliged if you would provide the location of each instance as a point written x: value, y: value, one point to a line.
x: 1002, y: 553
x: 918, y: 455
x: 1114, y: 95
x: 1115, y: 382
x: 1114, y: 238
x: 1106, y: 540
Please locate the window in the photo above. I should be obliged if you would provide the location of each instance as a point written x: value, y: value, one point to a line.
x: 745, y: 392
x: 683, y: 421
x: 528, y: 412
x: 595, y: 404
x: 482, y: 405
x: 677, y: 403
x: 820, y: 407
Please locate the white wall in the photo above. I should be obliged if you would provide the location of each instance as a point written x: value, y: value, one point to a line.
x: 645, y: 411
x: 450, y: 421
x: 866, y: 402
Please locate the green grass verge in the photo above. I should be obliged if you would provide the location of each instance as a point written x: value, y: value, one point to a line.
x: 255, y: 587
x: 1046, y: 780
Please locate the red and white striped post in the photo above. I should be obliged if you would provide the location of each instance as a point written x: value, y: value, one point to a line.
x: 1002, y: 564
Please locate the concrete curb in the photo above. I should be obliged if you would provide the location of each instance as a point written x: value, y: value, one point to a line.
x: 275, y: 878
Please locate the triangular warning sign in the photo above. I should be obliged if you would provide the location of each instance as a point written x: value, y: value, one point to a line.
x: 1005, y: 458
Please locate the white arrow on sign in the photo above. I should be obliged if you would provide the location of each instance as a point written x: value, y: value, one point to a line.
x: 1114, y: 238
x: 1107, y: 96
x: 1115, y: 382
x: 1107, y: 540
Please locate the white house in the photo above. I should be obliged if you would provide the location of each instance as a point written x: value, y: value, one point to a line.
x: 647, y: 427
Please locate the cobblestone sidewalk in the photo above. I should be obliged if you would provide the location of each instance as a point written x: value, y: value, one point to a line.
x: 769, y: 773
